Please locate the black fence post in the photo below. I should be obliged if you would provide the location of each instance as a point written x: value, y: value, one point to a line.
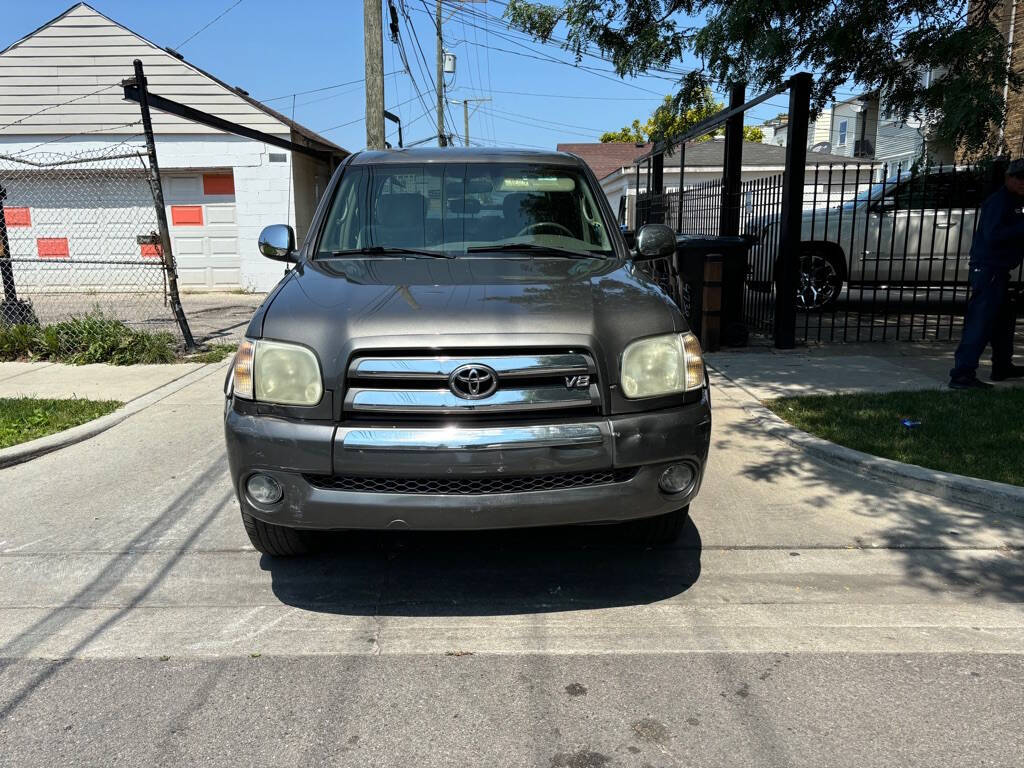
x: 13, y: 310
x: 6, y: 269
x: 729, y: 220
x: 788, y: 264
x: 161, y: 211
x: 658, y: 186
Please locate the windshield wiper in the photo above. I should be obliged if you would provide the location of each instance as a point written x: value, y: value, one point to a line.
x: 536, y: 247
x: 381, y: 250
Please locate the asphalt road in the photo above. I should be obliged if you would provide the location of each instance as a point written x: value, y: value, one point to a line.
x: 807, y: 617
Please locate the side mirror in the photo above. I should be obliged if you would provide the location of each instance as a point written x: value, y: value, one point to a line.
x: 655, y: 241
x: 277, y: 242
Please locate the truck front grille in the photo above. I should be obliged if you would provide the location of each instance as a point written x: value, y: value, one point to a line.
x: 471, y: 486
x: 472, y: 383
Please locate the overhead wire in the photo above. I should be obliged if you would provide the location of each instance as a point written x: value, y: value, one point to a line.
x: 209, y: 24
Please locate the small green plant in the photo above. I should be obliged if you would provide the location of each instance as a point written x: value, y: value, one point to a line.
x: 211, y: 353
x: 91, y: 338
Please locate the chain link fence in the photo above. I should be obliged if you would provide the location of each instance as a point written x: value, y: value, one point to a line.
x: 79, y: 244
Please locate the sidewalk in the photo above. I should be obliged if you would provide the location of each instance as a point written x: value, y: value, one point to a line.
x: 768, y: 373
x: 96, y: 382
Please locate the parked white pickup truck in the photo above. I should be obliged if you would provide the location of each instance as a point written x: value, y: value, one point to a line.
x: 910, y: 230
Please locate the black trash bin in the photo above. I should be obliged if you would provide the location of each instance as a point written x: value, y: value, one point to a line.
x: 711, y: 273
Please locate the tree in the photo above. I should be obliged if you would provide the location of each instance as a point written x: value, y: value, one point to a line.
x: 884, y: 44
x: 667, y: 122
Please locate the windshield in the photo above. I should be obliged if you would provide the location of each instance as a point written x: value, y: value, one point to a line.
x: 449, y: 208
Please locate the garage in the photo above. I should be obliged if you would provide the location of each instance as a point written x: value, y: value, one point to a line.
x: 203, y: 224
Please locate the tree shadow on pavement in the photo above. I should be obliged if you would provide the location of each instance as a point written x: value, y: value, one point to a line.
x: 483, y: 573
x: 944, y: 545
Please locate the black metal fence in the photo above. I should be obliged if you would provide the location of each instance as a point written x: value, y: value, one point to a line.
x: 884, y: 249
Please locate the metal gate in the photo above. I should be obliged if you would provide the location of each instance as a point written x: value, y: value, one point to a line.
x: 867, y: 251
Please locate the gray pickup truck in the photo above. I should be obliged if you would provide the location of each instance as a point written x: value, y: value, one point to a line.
x: 465, y: 341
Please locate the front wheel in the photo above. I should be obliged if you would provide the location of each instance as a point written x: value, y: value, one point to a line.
x: 274, y: 540
x: 821, y: 277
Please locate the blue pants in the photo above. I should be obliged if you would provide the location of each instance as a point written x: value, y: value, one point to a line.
x: 990, y: 320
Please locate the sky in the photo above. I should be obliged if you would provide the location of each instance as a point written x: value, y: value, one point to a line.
x: 307, y: 55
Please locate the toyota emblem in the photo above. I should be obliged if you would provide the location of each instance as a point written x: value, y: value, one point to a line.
x: 473, y: 382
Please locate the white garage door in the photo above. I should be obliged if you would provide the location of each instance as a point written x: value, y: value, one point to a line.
x: 204, y: 228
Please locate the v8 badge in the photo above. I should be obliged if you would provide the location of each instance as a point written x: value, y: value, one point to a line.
x: 577, y: 382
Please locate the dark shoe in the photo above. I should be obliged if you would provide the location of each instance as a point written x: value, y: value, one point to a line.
x: 973, y: 383
x: 1012, y: 372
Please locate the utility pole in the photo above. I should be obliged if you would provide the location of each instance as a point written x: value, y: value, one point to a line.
x: 465, y: 113
x: 373, y: 48
x: 441, y: 140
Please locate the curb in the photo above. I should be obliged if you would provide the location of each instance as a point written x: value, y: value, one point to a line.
x: 999, y: 497
x: 22, y: 452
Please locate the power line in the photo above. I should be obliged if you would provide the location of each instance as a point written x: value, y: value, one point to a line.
x: 62, y: 104
x: 536, y: 126
x: 360, y: 119
x: 208, y: 24
x: 538, y: 119
x: 572, y: 96
x: 559, y: 42
x: 325, y: 88
x: 602, y: 73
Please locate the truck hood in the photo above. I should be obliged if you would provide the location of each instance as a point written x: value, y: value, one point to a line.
x: 339, y: 305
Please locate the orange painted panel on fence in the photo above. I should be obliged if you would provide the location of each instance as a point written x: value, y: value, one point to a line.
x: 52, y: 247
x: 187, y: 215
x: 18, y: 217
x: 218, y: 184
x: 152, y: 251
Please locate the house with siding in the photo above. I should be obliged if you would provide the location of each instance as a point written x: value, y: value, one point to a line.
x: 776, y: 131
x: 864, y: 127
x: 60, y: 92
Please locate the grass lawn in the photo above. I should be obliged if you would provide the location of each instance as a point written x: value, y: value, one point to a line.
x: 26, y: 418
x: 980, y: 434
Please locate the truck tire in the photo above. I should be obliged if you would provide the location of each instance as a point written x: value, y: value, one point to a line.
x: 274, y: 540
x: 658, y: 531
x: 822, y: 274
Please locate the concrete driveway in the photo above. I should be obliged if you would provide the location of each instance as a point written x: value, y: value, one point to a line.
x: 808, y: 618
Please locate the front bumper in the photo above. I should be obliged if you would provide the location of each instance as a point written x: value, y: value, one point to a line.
x: 292, y: 451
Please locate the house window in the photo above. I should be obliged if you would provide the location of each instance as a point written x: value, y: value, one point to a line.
x: 842, y: 133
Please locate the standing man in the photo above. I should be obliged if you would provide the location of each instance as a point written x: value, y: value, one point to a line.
x: 997, y: 250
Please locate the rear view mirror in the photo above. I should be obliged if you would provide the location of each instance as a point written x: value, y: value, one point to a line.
x: 655, y: 241
x: 277, y: 242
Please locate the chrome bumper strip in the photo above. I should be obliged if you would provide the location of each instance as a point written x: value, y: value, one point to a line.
x: 469, y: 439
x: 445, y: 402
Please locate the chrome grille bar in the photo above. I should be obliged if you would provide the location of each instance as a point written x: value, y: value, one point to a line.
x: 440, y: 368
x: 362, y: 400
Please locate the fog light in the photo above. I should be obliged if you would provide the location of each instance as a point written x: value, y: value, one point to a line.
x: 676, y: 478
x: 264, y: 489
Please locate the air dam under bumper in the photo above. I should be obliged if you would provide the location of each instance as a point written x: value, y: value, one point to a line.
x: 294, y: 452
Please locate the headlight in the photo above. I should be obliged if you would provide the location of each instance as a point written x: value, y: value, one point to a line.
x: 662, y: 365
x: 275, y: 372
